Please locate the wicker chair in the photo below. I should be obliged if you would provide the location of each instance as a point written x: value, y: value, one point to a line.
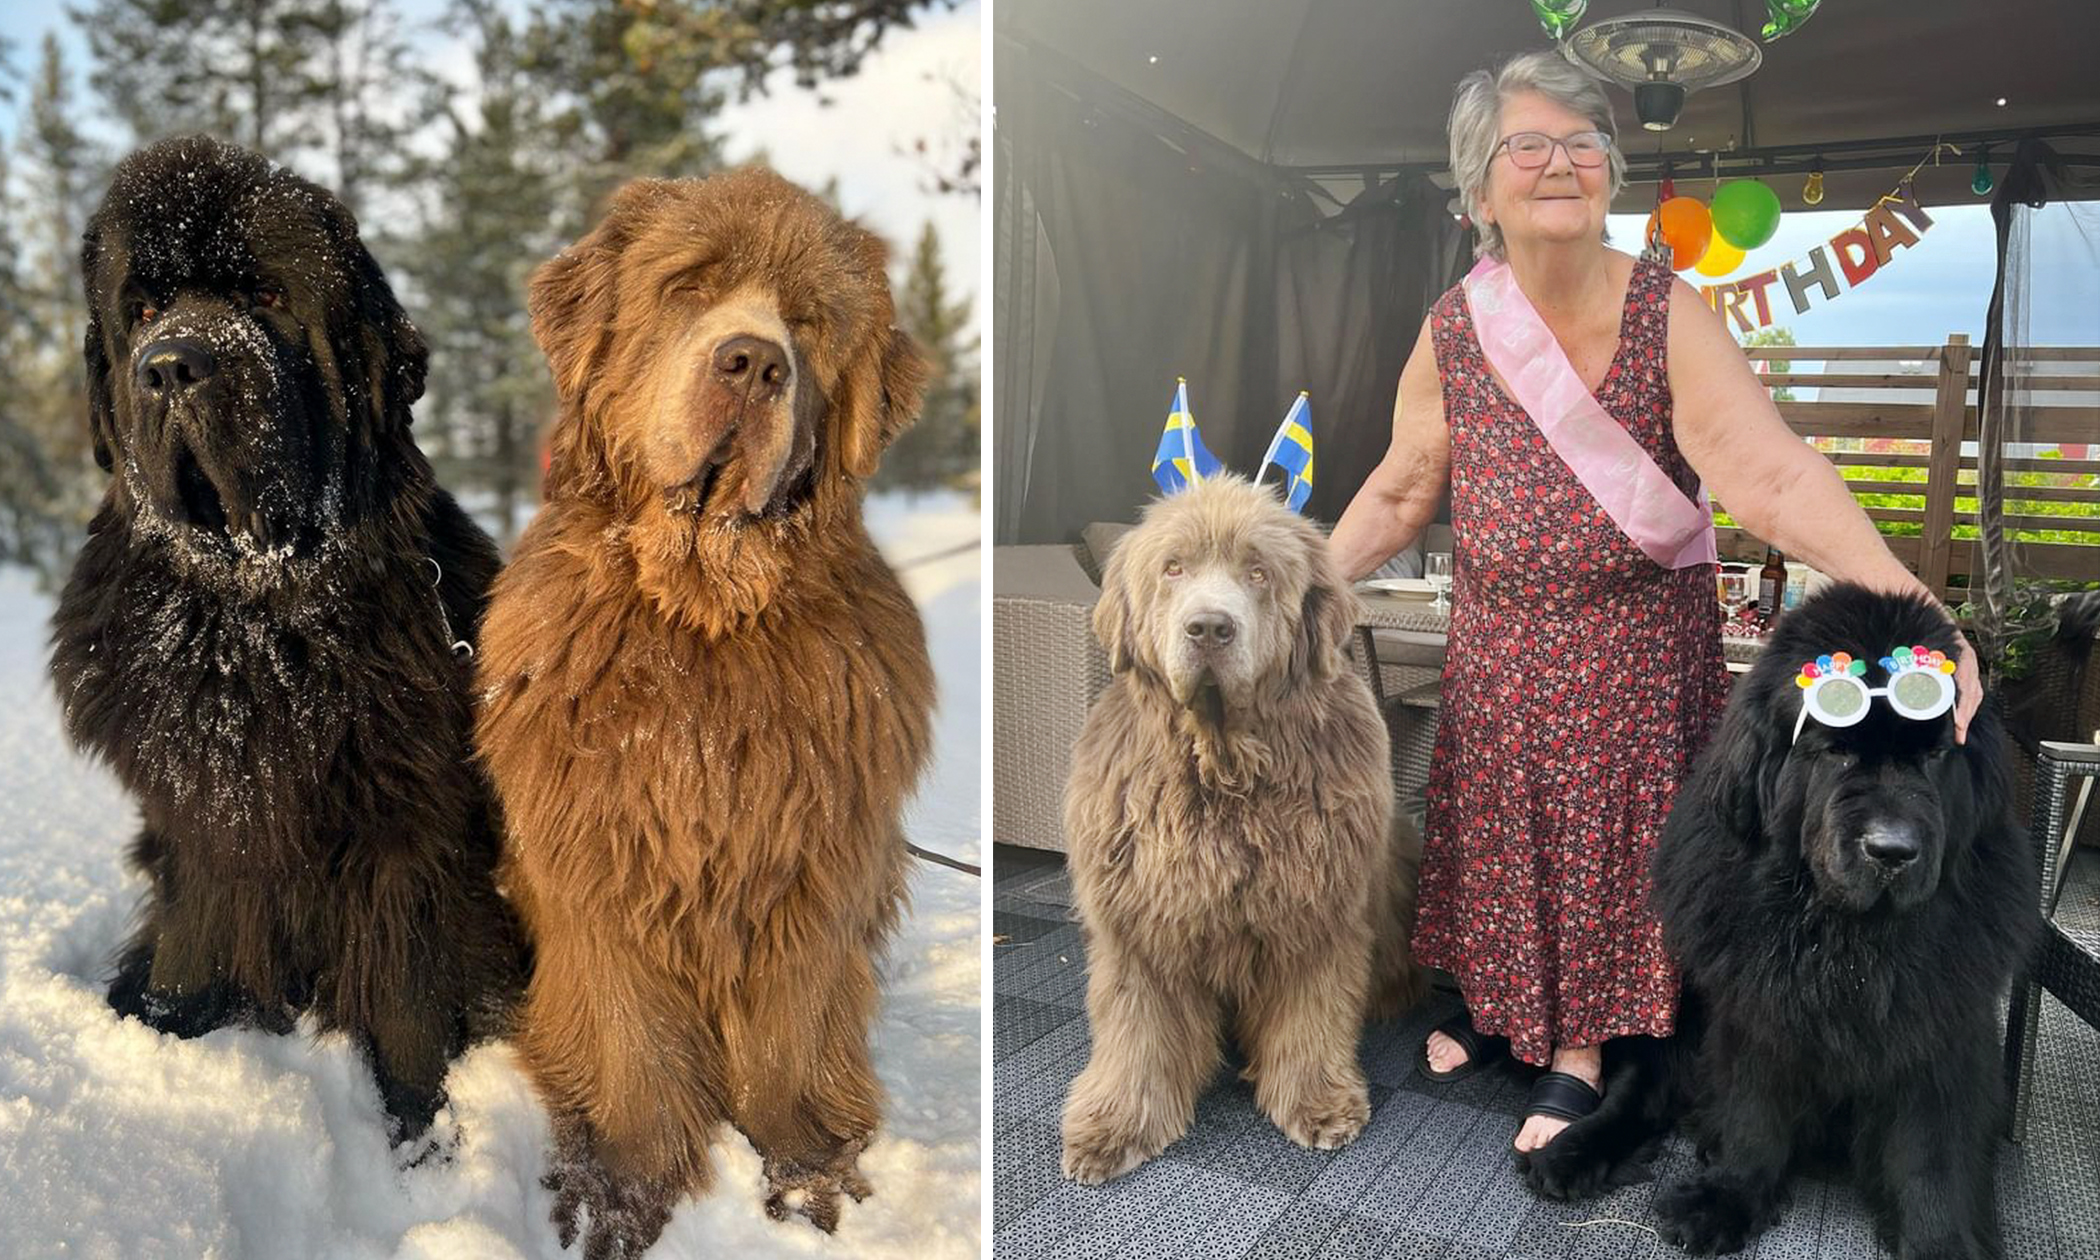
x: 1046, y: 671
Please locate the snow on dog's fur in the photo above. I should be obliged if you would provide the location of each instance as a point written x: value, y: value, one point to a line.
x: 1231, y: 833
x: 256, y: 638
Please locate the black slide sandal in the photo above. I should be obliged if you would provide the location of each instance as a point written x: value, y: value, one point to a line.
x: 1562, y: 1097
x: 1481, y: 1049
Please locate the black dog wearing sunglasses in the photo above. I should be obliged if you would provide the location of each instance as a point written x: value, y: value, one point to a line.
x: 1848, y: 907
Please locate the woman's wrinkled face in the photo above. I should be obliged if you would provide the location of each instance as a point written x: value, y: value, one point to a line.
x: 1558, y: 202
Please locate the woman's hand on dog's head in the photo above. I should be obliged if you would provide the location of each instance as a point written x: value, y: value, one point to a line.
x: 1968, y: 687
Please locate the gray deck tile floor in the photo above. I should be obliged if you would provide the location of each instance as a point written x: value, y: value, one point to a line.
x: 1431, y: 1176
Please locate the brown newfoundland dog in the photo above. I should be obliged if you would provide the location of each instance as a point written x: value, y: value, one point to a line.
x: 262, y: 633
x: 705, y: 698
x: 1234, y: 851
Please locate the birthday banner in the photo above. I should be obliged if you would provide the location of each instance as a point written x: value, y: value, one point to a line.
x: 1855, y: 253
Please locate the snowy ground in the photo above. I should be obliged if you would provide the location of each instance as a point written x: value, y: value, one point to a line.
x: 118, y: 1142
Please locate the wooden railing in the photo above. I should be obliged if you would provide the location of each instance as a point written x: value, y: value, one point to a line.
x: 1909, y: 440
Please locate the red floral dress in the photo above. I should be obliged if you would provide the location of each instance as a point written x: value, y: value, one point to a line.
x: 1581, y: 681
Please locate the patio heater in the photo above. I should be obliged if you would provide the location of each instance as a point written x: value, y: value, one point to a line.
x: 1662, y: 56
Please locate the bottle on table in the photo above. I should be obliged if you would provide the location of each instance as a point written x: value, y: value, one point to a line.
x: 1771, y: 586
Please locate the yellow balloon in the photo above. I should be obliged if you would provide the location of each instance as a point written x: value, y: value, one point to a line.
x: 1720, y: 258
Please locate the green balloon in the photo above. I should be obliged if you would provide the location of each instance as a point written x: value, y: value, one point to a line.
x: 1559, y: 16
x: 1746, y: 213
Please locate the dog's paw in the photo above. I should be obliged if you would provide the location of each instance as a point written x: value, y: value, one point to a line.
x: 617, y: 1218
x: 1332, y: 1123
x: 1097, y: 1158
x: 1569, y: 1168
x: 437, y: 1146
x: 792, y: 1187
x: 179, y: 1014
x: 1950, y: 1249
x: 1707, y: 1217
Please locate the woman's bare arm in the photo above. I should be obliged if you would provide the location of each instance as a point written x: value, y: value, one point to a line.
x: 1780, y: 488
x: 1400, y: 496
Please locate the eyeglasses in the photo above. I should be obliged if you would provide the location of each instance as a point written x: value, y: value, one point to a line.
x: 1529, y: 150
x: 1920, y: 687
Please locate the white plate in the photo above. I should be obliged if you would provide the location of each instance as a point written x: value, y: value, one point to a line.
x: 1399, y: 586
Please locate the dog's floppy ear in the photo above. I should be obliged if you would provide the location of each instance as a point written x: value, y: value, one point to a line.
x: 573, y: 296
x: 1325, y: 620
x: 399, y: 353
x: 882, y: 394
x: 571, y: 301
x: 102, y: 414
x: 1112, y: 613
x: 102, y: 406
x: 1739, y: 772
x: 571, y: 304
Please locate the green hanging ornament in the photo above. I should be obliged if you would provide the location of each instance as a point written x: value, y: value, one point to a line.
x: 1559, y: 16
x: 1981, y: 183
x: 1787, y: 16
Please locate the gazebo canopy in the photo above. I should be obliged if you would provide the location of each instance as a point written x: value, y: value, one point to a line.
x: 1253, y: 194
x: 1365, y: 84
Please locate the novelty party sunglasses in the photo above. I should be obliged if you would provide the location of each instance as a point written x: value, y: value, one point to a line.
x: 1920, y: 687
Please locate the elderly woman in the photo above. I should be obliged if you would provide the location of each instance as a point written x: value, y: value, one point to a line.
x: 1585, y: 667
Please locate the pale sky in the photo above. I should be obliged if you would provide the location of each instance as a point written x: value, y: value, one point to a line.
x: 855, y: 138
x: 1940, y: 285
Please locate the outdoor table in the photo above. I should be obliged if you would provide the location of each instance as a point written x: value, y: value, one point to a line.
x: 1413, y: 614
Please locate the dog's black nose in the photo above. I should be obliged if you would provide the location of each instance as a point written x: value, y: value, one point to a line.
x: 744, y: 361
x: 1210, y: 629
x: 174, y: 364
x: 1893, y: 847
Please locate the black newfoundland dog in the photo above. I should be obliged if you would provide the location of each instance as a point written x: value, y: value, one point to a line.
x: 1848, y: 908
x: 256, y: 636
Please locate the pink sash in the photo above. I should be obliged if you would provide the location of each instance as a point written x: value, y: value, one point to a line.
x: 1640, y: 498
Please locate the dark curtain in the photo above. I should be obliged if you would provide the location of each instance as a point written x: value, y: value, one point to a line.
x: 1352, y: 289
x: 1130, y: 249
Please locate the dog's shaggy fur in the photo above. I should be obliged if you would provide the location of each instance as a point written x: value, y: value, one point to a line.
x: 253, y: 639
x: 1232, y: 839
x: 1838, y: 1007
x: 706, y: 698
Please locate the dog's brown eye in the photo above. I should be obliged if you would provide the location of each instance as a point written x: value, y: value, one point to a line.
x: 1173, y: 568
x: 1258, y: 575
x: 270, y: 298
x: 147, y: 314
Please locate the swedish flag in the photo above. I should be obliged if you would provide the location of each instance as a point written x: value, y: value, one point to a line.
x: 1181, y: 457
x: 1292, y: 450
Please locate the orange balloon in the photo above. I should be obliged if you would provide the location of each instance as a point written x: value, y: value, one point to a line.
x: 1687, y: 229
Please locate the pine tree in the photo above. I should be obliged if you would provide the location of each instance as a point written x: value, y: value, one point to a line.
x: 62, y: 171
x: 494, y: 211
x: 232, y: 68
x: 941, y: 449
x: 29, y: 524
x: 359, y: 80
x: 633, y: 91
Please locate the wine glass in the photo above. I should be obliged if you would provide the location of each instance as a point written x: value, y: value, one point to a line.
x: 1437, y: 568
x: 1735, y: 593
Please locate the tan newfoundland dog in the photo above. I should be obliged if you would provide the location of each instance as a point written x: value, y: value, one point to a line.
x: 1232, y: 839
x: 705, y: 699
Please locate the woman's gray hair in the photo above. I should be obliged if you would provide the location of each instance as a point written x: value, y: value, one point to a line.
x: 1476, y: 124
